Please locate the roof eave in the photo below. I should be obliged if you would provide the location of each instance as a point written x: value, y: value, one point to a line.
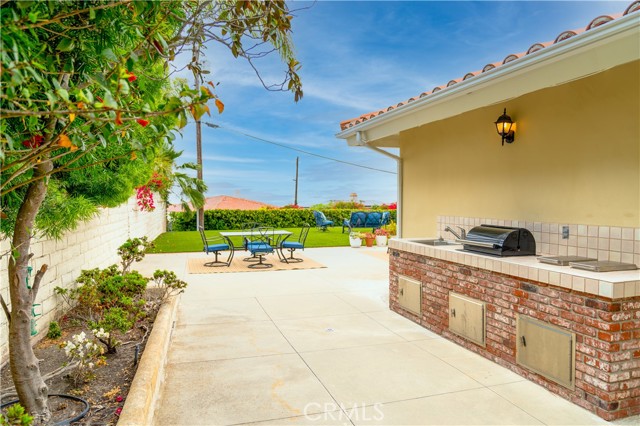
x: 592, y: 39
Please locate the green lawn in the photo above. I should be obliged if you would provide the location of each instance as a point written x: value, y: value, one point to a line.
x: 190, y: 241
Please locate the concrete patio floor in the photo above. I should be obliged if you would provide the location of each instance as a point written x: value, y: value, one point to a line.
x: 320, y: 346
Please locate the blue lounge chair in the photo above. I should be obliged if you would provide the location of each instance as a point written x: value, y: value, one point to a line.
x: 321, y: 220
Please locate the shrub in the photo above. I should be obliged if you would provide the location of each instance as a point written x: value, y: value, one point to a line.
x: 113, y: 319
x: 391, y: 227
x: 54, y: 330
x: 86, y: 353
x: 168, y: 283
x: 279, y: 218
x: 16, y: 415
x: 133, y: 250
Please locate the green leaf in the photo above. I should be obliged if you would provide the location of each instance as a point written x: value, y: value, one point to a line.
x: 16, y: 76
x: 109, y: 102
x: 66, y: 45
x: 182, y: 119
x: 92, y: 14
x: 108, y: 53
x: 51, y: 97
x: 63, y: 94
x: 123, y: 86
x: 33, y: 17
x: 68, y: 67
x: 164, y: 44
x: 24, y: 4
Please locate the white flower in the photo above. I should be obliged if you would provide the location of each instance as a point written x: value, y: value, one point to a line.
x: 79, y: 338
x: 90, y: 365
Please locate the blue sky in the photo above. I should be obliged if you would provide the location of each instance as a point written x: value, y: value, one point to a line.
x: 356, y: 57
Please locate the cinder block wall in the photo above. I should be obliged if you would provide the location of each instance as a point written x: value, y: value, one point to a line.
x: 92, y: 245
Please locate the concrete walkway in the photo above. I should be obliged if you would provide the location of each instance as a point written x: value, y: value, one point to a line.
x: 320, y: 346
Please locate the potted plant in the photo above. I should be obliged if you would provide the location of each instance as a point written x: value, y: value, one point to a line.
x: 369, y: 238
x: 381, y: 236
x: 391, y: 228
x: 355, y: 239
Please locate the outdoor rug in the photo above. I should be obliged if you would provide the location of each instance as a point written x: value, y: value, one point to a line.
x: 196, y: 266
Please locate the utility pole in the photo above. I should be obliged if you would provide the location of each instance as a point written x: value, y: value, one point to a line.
x: 295, y: 200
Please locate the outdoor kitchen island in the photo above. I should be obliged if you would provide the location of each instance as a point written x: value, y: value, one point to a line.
x: 575, y: 332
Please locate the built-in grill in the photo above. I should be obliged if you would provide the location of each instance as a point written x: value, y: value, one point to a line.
x: 500, y: 241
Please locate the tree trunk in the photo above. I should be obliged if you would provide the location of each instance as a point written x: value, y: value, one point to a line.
x: 31, y: 389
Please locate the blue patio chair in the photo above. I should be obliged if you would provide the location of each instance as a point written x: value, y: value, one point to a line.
x: 216, y: 245
x: 247, y: 227
x: 321, y: 220
x: 293, y: 246
x: 259, y: 246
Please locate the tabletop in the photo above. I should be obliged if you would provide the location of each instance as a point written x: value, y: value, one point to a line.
x: 253, y: 233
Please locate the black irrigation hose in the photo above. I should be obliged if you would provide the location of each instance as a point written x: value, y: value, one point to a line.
x: 63, y: 422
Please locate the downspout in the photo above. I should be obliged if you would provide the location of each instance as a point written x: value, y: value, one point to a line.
x: 362, y: 141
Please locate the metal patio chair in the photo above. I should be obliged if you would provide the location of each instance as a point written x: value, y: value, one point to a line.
x: 260, y: 246
x: 216, y: 245
x: 292, y: 246
x: 246, y: 227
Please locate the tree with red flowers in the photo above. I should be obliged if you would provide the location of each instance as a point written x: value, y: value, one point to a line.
x: 85, y: 108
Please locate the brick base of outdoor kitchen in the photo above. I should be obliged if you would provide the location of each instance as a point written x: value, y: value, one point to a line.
x: 607, y: 331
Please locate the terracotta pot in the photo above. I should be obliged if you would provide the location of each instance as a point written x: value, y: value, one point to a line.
x: 369, y: 241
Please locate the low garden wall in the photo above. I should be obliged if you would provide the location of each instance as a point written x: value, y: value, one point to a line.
x: 93, y: 244
x: 216, y: 220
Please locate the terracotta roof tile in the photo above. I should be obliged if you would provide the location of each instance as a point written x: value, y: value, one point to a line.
x: 600, y: 20
x: 225, y: 202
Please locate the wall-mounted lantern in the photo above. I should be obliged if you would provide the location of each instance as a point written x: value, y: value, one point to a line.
x: 506, y: 128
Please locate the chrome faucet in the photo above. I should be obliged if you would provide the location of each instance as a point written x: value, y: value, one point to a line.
x: 463, y: 233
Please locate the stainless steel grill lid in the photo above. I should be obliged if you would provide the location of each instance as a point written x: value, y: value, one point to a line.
x: 500, y: 241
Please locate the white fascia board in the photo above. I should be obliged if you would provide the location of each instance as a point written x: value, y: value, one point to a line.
x: 596, y: 50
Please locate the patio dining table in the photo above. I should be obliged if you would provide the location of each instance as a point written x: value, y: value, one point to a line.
x: 280, y: 233
x: 277, y: 235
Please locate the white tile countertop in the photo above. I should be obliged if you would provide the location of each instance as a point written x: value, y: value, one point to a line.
x: 613, y: 285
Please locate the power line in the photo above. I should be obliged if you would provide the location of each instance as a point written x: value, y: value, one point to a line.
x: 216, y: 126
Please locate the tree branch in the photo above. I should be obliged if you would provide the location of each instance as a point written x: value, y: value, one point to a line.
x: 55, y: 19
x: 5, y: 308
x: 36, y: 281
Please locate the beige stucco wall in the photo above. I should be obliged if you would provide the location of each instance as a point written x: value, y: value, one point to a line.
x: 93, y: 244
x: 576, y: 158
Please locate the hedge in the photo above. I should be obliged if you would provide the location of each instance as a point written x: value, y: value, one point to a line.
x: 217, y: 220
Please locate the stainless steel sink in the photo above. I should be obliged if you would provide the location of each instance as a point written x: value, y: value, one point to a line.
x: 436, y: 242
